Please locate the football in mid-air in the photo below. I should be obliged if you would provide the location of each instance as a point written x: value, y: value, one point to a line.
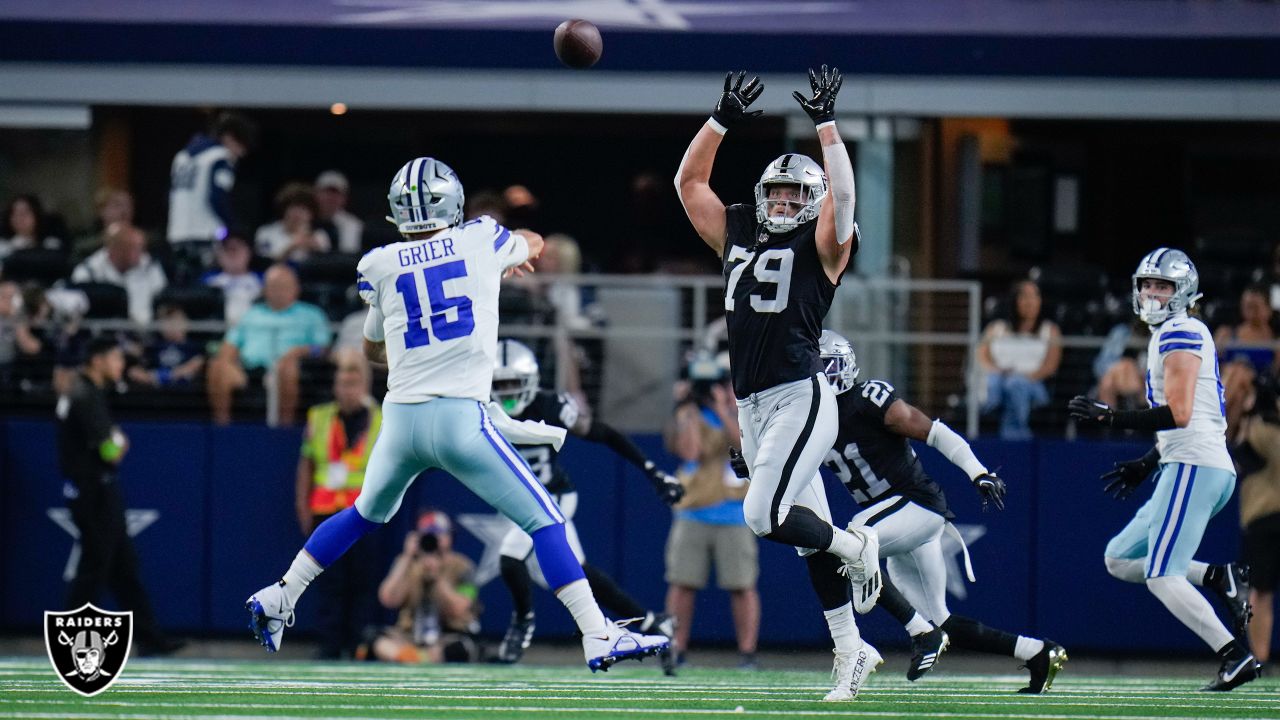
x: 578, y: 44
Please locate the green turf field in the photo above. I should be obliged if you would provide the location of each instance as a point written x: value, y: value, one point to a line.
x: 265, y: 689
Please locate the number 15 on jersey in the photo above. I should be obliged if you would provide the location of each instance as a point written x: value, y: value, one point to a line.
x: 439, y: 305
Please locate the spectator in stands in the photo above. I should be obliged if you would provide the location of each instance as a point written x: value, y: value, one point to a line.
x: 433, y: 589
x: 709, y: 527
x: 272, y: 337
x: 1246, y: 351
x: 345, y: 229
x: 240, y: 286
x: 113, y: 206
x: 24, y: 227
x: 169, y: 358
x: 16, y: 337
x: 1120, y: 371
x: 335, y: 452
x: 124, y: 261
x: 1018, y: 355
x: 200, y: 182
x: 294, y: 236
x: 487, y: 202
x: 1257, y: 458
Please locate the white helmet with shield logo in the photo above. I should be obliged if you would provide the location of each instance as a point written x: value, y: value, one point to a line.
x: 515, y: 376
x: 791, y: 169
x: 838, y: 361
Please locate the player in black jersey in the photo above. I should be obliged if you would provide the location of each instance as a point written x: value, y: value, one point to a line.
x: 874, y: 459
x: 515, y: 389
x: 782, y: 259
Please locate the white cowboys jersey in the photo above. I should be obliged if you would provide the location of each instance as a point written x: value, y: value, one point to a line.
x: 438, y: 299
x: 1203, y: 441
x: 200, y: 178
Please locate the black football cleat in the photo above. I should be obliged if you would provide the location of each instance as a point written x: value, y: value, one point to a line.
x: 518, y: 638
x: 1044, y: 667
x: 926, y: 650
x: 1239, y: 666
x: 1233, y: 589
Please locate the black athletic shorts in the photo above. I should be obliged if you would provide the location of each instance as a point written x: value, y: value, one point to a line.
x: 1260, y: 550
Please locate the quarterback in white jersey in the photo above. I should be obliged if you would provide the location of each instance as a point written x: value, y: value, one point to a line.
x: 434, y: 303
x: 433, y: 318
x: 1196, y: 477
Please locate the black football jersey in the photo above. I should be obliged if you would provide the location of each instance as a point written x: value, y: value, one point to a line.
x: 871, y: 460
x: 556, y: 409
x: 776, y: 295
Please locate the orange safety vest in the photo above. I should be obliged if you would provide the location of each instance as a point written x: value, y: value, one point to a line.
x: 339, y: 464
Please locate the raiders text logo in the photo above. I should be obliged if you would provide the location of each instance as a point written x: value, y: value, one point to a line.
x: 88, y: 647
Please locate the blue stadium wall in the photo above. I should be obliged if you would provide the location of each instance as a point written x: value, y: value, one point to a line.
x: 226, y: 526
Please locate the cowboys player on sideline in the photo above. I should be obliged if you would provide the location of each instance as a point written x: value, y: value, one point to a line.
x: 515, y: 390
x: 874, y: 460
x: 782, y: 261
x: 1195, y: 474
x: 433, y: 319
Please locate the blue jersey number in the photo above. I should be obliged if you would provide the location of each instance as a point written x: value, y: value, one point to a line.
x: 444, y: 329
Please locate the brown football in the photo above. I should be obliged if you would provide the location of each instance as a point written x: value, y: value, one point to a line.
x: 577, y: 43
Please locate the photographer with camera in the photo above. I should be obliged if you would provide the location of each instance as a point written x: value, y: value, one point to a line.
x: 433, y: 588
x: 709, y: 527
x: 1256, y: 451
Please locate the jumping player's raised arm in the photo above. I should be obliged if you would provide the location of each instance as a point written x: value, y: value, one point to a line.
x: 693, y: 177
x: 837, y: 233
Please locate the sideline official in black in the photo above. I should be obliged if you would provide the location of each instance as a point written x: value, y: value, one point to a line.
x: 90, y: 449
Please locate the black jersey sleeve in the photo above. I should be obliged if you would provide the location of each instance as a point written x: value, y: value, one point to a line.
x: 874, y: 397
x: 559, y: 409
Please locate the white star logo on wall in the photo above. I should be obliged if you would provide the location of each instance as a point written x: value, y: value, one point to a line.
x: 490, y: 530
x: 135, y: 521
x: 953, y: 556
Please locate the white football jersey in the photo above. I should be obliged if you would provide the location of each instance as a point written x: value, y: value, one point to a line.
x: 200, y: 179
x: 1204, y: 440
x: 438, y: 299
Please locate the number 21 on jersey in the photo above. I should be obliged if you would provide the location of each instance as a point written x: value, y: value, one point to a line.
x: 764, y: 274
x: 439, y: 305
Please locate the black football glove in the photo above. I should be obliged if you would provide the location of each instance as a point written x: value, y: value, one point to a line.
x: 991, y: 488
x: 732, y: 108
x: 1089, y: 412
x: 739, y: 464
x: 667, y: 486
x: 821, y: 107
x: 1128, y: 475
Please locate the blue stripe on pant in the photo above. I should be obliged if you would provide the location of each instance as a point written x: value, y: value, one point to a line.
x: 1167, y: 529
x: 456, y: 436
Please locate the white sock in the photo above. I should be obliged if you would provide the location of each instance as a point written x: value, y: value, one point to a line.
x: 1189, y: 606
x: 844, y: 631
x: 844, y: 545
x: 918, y: 626
x: 1196, y: 571
x: 577, y: 598
x: 1027, y: 648
x: 300, y: 574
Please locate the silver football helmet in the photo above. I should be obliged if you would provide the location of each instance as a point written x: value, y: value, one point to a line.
x: 838, y: 361
x: 425, y: 195
x: 515, y: 376
x: 791, y: 169
x: 1172, y: 266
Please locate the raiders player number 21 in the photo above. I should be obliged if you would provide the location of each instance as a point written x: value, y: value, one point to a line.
x: 782, y: 260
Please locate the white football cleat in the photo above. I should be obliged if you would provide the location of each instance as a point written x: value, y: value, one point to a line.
x: 851, y: 670
x: 616, y: 643
x: 269, y: 615
x: 864, y: 571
